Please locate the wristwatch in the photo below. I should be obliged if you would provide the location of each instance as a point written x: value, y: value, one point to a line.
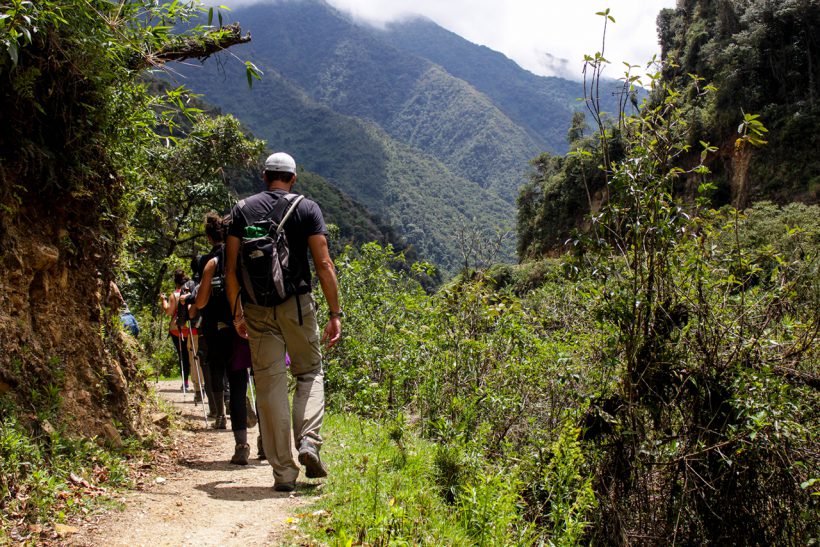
x: 340, y: 314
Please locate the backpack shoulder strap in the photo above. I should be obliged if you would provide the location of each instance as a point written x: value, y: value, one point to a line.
x: 220, y: 261
x: 296, y: 198
x: 241, y: 207
x: 279, y: 213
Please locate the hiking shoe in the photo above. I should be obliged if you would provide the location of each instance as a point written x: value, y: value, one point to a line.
x: 284, y: 486
x: 241, y: 453
x: 252, y: 420
x: 309, y: 457
x: 260, y: 450
x: 221, y: 422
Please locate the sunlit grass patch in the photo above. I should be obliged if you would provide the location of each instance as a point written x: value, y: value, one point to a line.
x: 380, y: 490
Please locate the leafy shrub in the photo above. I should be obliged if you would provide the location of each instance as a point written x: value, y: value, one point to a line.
x: 486, y: 375
x: 561, y: 493
x: 488, y: 507
x: 694, y: 310
x: 375, y: 370
x: 381, y: 493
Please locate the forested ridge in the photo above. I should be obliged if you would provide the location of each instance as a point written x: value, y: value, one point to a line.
x: 349, y: 69
x: 542, y: 105
x: 647, y: 374
x: 362, y: 161
x: 760, y: 59
x: 355, y: 223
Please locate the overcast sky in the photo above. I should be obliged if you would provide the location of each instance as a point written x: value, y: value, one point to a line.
x: 548, y: 37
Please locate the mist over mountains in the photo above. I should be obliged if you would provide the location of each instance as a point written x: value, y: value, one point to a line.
x: 428, y: 131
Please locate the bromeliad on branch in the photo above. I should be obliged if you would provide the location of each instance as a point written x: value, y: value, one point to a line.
x: 192, y: 47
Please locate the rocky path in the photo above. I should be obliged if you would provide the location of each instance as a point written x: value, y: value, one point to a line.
x: 197, y: 497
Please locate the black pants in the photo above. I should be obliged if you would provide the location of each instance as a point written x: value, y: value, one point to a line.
x: 220, y: 356
x: 182, y: 353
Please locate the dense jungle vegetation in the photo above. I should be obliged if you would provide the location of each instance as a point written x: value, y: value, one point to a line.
x: 658, y: 384
x: 761, y: 58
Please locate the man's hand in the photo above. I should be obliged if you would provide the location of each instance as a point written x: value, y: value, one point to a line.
x: 333, y: 332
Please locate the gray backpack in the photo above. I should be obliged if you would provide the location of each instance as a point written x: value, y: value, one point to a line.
x: 267, y: 279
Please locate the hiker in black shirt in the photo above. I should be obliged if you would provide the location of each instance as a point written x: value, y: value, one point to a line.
x: 289, y: 326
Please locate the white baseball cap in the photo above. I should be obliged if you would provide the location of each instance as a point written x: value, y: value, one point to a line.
x: 280, y: 161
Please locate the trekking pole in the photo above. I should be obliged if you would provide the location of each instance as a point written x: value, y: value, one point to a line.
x: 253, y: 390
x: 196, y: 362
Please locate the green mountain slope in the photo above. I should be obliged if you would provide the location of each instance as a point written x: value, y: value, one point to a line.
x: 383, y: 118
x: 356, y: 224
x: 543, y: 106
x: 353, y: 71
x: 406, y: 189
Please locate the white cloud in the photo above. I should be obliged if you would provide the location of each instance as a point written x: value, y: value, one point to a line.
x: 548, y: 37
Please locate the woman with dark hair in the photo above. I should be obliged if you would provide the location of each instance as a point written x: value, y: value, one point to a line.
x: 217, y: 328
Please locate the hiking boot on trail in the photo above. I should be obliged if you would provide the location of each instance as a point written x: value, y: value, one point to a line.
x: 221, y: 422
x: 309, y: 457
x: 285, y: 486
x: 241, y: 454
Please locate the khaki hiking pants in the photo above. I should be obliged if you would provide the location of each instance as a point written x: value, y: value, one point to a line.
x: 271, y: 332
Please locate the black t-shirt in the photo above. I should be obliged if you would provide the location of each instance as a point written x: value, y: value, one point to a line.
x: 306, y: 220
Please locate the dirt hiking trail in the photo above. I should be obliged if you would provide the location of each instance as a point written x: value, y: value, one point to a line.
x: 194, y: 496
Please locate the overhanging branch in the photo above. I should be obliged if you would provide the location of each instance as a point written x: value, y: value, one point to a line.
x: 197, y: 47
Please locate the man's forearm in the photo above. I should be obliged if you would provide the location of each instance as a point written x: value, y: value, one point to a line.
x: 330, y: 286
x: 232, y: 291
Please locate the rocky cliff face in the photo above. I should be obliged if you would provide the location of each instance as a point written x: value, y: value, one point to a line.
x: 62, y: 354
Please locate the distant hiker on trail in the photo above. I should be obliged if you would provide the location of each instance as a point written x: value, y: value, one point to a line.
x: 197, y: 265
x: 217, y: 328
x: 277, y: 312
x: 180, y: 332
x: 118, y: 304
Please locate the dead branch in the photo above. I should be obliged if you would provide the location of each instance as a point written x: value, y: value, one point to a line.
x: 807, y: 378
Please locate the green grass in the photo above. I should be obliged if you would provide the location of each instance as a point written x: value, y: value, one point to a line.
x: 380, y: 491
